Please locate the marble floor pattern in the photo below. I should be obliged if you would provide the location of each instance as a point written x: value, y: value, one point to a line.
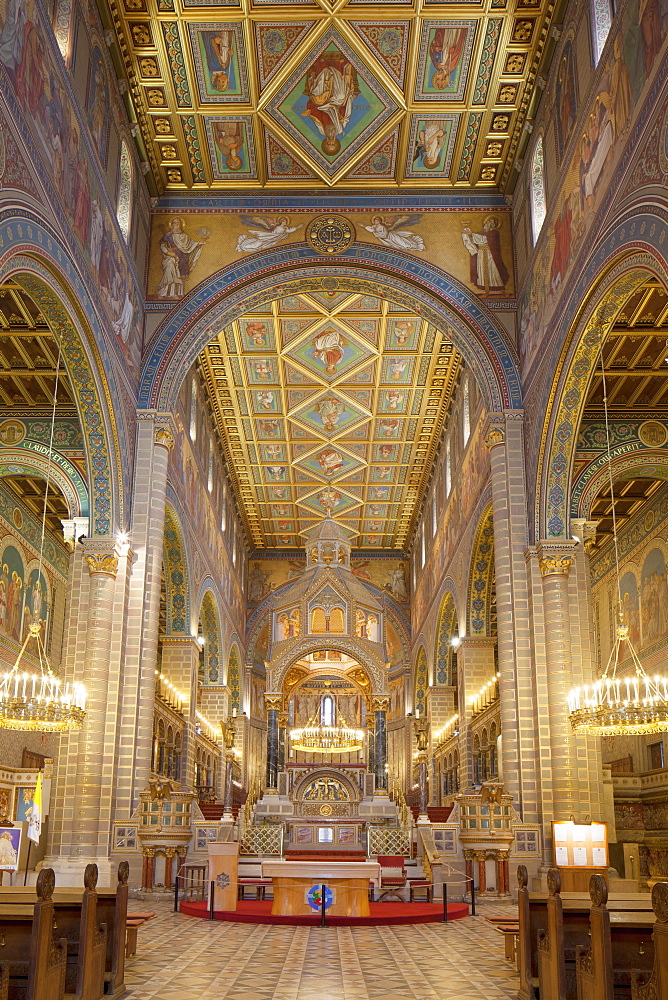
x: 184, y: 958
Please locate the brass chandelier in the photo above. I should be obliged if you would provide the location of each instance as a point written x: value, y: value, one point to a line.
x: 630, y: 705
x: 33, y: 700
x: 317, y: 738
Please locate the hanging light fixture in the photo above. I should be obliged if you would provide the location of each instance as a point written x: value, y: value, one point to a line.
x: 630, y: 705
x: 40, y: 700
x: 317, y: 738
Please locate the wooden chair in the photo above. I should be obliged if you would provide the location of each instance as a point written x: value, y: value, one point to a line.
x: 392, y: 875
x: 419, y: 885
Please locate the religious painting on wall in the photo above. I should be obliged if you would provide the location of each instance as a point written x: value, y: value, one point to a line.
x: 23, y: 807
x: 431, y: 143
x: 654, y: 598
x: 232, y: 147
x: 10, y: 847
x: 566, y: 97
x: 98, y: 104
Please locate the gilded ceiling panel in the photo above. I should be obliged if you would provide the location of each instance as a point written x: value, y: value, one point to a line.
x: 253, y: 93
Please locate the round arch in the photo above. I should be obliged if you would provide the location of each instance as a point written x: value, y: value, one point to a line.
x: 64, y: 300
x: 614, y: 273
x: 210, y: 624
x: 440, y: 299
x: 60, y: 472
x: 646, y: 463
x: 481, y: 575
x: 447, y: 621
x: 329, y: 671
x: 177, y: 577
x: 374, y: 668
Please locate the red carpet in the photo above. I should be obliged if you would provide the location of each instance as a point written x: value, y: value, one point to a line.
x: 252, y: 911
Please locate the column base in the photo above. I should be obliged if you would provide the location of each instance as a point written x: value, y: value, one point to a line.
x: 69, y: 871
x: 423, y: 820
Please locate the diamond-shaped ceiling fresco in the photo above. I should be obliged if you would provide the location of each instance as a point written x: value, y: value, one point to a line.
x: 264, y: 93
x: 341, y: 403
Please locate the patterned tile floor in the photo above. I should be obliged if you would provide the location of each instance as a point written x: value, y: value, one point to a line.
x: 184, y: 958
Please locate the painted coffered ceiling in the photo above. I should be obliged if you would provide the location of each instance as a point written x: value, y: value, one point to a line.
x: 330, y: 401
x: 250, y: 93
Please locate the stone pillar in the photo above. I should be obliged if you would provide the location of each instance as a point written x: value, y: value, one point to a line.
x: 476, y: 665
x: 86, y: 783
x: 169, y: 862
x: 505, y: 440
x: 380, y: 707
x: 371, y: 745
x: 136, y: 705
x: 180, y: 659
x: 555, y: 562
x: 282, y: 739
x: 468, y: 863
x: 227, y: 801
x: 273, y: 703
x: 148, y: 866
x: 482, y: 871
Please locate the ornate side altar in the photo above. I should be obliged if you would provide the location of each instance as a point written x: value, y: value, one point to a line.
x: 298, y: 885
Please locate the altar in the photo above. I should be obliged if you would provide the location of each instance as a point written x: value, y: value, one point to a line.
x: 297, y: 886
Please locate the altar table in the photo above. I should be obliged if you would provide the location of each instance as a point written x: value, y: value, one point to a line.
x: 348, y: 882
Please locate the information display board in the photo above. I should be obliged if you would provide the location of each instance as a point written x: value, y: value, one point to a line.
x: 580, y: 845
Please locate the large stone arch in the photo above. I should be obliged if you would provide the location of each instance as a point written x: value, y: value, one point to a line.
x: 630, y: 254
x: 210, y: 622
x: 447, y: 620
x: 481, y: 575
x: 177, y: 577
x: 421, y: 286
x: 64, y: 301
x: 648, y: 463
x: 303, y: 647
x: 56, y: 470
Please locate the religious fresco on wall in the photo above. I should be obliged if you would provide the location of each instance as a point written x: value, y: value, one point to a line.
x: 397, y: 708
x: 29, y: 68
x: 566, y: 97
x: 445, y: 55
x: 468, y: 483
x: 475, y: 247
x: 389, y: 575
x: 626, y: 67
x: 220, y: 64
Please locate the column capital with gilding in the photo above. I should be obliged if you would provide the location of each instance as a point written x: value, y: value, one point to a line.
x: 101, y: 556
x: 495, y: 426
x: 164, y: 427
x: 273, y: 701
x: 555, y: 558
x: 380, y: 702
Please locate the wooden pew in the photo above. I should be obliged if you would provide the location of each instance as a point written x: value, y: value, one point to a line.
x: 112, y: 908
x: 656, y: 987
x: 78, y: 920
x: 604, y: 970
x: 527, y: 939
x: 112, y: 905
x: 568, y: 929
x: 36, y: 959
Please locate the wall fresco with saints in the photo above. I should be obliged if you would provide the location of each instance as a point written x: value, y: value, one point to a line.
x: 389, y: 575
x: 474, y: 246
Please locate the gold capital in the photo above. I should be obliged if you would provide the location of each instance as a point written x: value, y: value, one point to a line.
x: 273, y: 702
x: 495, y: 436
x: 555, y: 565
x: 164, y: 437
x: 380, y: 703
x: 102, y: 562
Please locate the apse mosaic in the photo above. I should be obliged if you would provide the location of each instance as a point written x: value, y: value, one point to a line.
x: 339, y: 403
x: 334, y: 89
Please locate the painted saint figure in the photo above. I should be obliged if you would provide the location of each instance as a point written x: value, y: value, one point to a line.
x: 331, y: 86
x: 328, y: 348
x: 445, y: 53
x: 387, y: 231
x: 330, y: 410
x: 330, y: 461
x: 431, y: 140
x: 487, y: 269
x: 180, y: 253
x: 219, y: 47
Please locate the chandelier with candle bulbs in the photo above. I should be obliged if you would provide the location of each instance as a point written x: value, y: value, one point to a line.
x: 632, y: 704
x: 38, y: 700
x: 317, y: 738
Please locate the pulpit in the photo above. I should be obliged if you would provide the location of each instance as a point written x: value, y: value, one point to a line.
x: 223, y: 872
x: 297, y: 886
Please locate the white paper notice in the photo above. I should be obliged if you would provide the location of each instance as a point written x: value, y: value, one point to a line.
x: 598, y: 857
x: 560, y: 856
x: 580, y: 856
x: 598, y: 833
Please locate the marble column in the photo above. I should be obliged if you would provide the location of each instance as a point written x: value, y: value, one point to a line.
x: 555, y: 562
x: 505, y: 440
x: 155, y: 438
x: 380, y: 707
x: 86, y: 783
x: 371, y: 746
x: 273, y: 704
x: 482, y: 871
x: 282, y: 739
x: 227, y: 802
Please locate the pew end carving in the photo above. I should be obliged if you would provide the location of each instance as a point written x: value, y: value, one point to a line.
x: 656, y: 987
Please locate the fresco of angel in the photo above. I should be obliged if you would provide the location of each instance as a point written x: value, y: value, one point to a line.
x: 269, y: 233
x: 390, y: 235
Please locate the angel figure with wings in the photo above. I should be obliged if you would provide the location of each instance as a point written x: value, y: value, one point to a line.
x: 390, y: 235
x: 269, y: 233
